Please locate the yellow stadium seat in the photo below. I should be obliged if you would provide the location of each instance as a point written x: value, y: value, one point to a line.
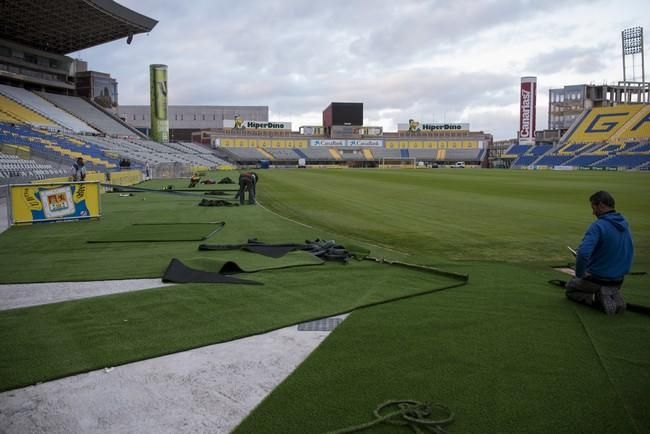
x: 334, y: 153
x: 638, y: 126
x: 6, y: 117
x: 13, y: 108
x: 602, y: 123
x: 266, y: 154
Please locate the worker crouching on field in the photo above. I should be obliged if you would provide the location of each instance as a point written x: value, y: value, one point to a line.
x: 247, y: 183
x: 603, y: 258
x: 194, y: 180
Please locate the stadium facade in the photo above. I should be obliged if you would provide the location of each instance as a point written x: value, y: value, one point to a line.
x: 342, y: 139
x: 35, y: 37
x: 187, y: 119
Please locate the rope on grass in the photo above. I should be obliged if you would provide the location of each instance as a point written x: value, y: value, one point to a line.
x: 415, y: 415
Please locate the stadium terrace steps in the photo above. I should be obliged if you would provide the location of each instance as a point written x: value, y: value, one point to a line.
x: 638, y: 127
x: 88, y: 113
x: 462, y: 154
x: 641, y: 147
x: 584, y: 160
x: 11, y: 166
x: 592, y: 148
x: 140, y: 152
x: 423, y: 154
x: 524, y: 160
x: 265, y: 154
x: 518, y: 149
x: 57, y: 147
x: 335, y: 154
x: 627, y: 161
x: 602, y: 124
x: 8, y: 118
x: 553, y: 160
x: 540, y: 149
x: 300, y: 153
x: 23, y: 114
x: 325, y: 155
x: 283, y: 154
x: 46, y: 109
x: 573, y: 148
x: 386, y: 153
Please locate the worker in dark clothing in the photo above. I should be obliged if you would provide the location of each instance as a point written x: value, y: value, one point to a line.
x: 247, y: 183
x: 603, y: 258
x: 194, y: 180
x: 79, y: 170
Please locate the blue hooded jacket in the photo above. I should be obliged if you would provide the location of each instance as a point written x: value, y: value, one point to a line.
x: 606, y: 250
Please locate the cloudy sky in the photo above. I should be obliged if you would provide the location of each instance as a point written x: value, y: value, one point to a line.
x: 430, y: 60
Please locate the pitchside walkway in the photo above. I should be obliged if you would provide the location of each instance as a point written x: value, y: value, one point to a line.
x: 209, y: 389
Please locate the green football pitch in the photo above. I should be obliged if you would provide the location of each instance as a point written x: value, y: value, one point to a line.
x: 506, y: 351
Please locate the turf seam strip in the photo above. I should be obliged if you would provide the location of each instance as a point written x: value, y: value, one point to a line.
x: 609, y: 378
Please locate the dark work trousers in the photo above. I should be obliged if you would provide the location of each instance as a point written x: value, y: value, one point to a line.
x: 246, y: 184
x: 606, y: 298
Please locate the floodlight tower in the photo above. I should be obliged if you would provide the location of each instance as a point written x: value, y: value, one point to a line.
x: 632, y: 42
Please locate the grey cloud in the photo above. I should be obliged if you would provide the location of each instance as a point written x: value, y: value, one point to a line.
x: 297, y: 56
x: 584, y: 60
x: 417, y: 32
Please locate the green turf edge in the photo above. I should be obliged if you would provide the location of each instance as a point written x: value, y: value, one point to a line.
x: 463, y: 361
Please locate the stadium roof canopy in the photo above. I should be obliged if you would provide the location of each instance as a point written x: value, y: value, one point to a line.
x: 66, y: 26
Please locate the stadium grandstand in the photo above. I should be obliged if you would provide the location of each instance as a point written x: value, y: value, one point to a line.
x: 614, y: 137
x: 342, y: 140
x: 48, y: 115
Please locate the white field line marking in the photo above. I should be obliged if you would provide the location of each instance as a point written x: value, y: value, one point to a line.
x: 311, y: 227
x: 281, y: 216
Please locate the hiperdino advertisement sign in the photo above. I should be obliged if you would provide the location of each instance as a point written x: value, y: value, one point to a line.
x: 241, y: 124
x: 415, y: 126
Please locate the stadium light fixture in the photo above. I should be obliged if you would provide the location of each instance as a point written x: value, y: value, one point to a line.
x: 632, y: 44
x: 632, y: 40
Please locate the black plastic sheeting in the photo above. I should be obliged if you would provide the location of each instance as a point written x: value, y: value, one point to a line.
x: 327, y: 250
x: 177, y: 272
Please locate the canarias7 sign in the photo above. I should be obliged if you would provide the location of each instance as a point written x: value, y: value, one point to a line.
x: 35, y: 203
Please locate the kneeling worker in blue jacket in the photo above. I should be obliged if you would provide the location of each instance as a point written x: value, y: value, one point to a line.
x: 603, y: 258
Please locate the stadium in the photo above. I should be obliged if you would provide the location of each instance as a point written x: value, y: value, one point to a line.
x: 370, y: 286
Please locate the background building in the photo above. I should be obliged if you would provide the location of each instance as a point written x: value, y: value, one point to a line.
x: 187, y: 119
x: 98, y: 87
x: 565, y: 105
